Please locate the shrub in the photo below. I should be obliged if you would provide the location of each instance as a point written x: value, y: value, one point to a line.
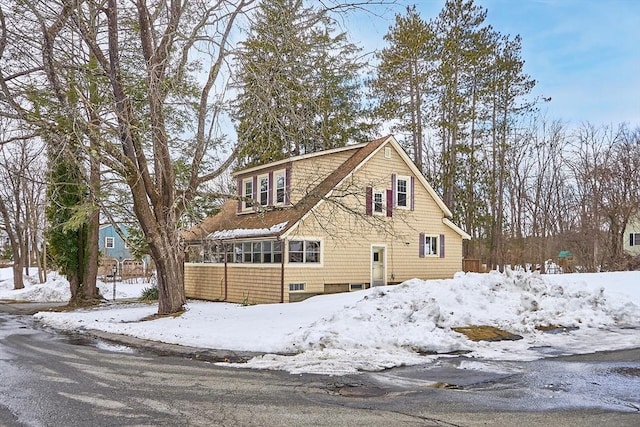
x: 149, y: 294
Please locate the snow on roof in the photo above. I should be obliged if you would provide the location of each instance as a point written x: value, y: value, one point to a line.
x: 247, y: 232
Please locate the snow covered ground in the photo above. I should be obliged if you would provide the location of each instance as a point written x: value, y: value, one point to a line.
x: 56, y: 289
x: 385, y: 327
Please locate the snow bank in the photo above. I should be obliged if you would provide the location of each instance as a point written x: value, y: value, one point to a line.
x: 410, y: 323
x: 56, y: 288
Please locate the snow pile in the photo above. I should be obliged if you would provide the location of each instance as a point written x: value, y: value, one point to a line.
x: 417, y: 317
x: 410, y: 323
x: 56, y: 288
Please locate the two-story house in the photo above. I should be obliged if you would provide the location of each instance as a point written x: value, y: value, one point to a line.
x: 333, y: 221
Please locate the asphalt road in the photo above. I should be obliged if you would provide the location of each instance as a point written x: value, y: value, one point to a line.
x: 52, y: 379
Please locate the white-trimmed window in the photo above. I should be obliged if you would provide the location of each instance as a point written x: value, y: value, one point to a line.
x: 247, y: 192
x: 377, y: 201
x: 304, y: 251
x: 263, y: 185
x: 430, y: 245
x: 246, y: 252
x: 296, y: 287
x: 634, y: 239
x: 280, y: 187
x: 402, y: 191
x: 109, y: 242
x: 255, y: 252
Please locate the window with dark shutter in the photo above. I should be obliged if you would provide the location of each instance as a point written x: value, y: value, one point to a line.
x: 280, y: 187
x: 264, y: 190
x: 401, y: 191
x: 431, y: 245
x: 378, y: 202
x: 248, y: 192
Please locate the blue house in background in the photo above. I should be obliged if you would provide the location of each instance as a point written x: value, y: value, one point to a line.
x: 110, y: 243
x: 115, y: 253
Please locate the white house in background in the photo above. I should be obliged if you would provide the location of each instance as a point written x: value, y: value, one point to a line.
x: 632, y: 236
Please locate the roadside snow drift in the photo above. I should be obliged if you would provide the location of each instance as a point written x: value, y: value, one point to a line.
x: 410, y: 323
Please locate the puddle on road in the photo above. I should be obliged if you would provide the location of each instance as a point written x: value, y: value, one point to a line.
x: 546, y: 384
x: 88, y: 341
x: 355, y: 390
x: 627, y: 371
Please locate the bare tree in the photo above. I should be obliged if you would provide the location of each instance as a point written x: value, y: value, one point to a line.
x: 21, y: 197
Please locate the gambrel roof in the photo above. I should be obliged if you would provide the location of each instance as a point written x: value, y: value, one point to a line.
x: 278, y: 221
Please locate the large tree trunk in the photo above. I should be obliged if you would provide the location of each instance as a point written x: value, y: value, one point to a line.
x: 18, y: 278
x: 91, y: 263
x: 168, y: 256
x: 13, y: 232
x: 74, y: 287
x: 93, y: 223
x: 171, y: 280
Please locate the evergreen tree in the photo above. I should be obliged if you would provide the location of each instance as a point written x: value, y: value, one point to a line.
x: 459, y: 31
x: 67, y: 222
x: 508, y: 86
x: 401, y: 81
x: 298, y: 85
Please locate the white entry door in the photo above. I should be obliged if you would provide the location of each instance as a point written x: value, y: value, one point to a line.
x: 378, y: 266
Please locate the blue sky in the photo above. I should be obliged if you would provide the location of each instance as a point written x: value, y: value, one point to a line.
x: 584, y: 54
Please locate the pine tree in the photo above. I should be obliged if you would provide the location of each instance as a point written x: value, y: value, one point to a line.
x: 508, y: 87
x: 459, y: 29
x: 298, y: 85
x: 402, y: 76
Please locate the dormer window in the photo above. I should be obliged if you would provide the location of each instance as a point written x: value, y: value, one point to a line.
x: 247, y: 186
x: 279, y: 187
x: 264, y: 190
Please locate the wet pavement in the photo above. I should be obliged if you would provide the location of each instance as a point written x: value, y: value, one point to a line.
x: 605, y: 382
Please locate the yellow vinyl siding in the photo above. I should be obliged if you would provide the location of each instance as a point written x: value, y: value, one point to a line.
x: 348, y: 239
x: 204, y: 281
x: 246, y: 284
x: 347, y: 235
x: 253, y: 284
x: 306, y: 174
